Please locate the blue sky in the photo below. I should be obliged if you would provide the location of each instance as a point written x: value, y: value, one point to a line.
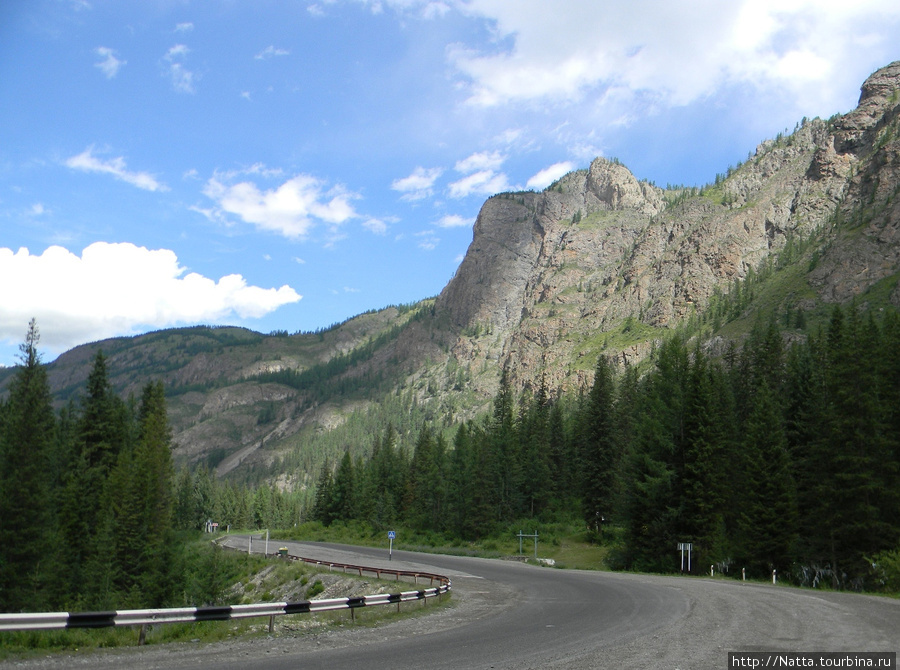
x: 287, y: 165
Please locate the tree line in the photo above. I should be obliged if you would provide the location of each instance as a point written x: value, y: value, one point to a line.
x: 90, y: 504
x: 85, y: 495
x: 770, y: 457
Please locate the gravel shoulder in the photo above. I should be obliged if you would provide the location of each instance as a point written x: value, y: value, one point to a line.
x: 693, y: 622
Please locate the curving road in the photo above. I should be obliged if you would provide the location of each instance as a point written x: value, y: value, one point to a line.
x: 509, y: 615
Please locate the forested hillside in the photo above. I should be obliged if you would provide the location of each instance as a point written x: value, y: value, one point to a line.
x: 715, y: 365
x: 770, y: 458
x: 87, y: 498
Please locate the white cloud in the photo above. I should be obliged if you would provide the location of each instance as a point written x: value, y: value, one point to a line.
x: 482, y: 176
x: 182, y: 78
x: 376, y: 226
x: 118, y: 289
x: 480, y: 161
x: 110, y: 65
x: 290, y: 210
x: 428, y: 240
x: 271, y: 51
x: 177, y: 51
x: 418, y: 185
x: 565, y: 50
x: 484, y: 182
x: 549, y: 175
x: 454, y: 221
x: 87, y: 162
x: 185, y: 27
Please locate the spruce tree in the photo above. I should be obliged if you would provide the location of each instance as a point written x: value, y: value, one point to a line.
x: 768, y: 504
x: 102, y: 430
x: 534, y: 438
x: 26, y: 517
x: 600, y: 450
x: 704, y: 483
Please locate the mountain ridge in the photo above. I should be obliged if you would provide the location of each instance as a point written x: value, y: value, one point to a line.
x: 598, y: 264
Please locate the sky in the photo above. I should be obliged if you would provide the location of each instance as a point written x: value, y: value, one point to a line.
x: 284, y: 166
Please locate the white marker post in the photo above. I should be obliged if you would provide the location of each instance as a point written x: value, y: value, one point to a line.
x: 685, y: 547
x: 391, y: 536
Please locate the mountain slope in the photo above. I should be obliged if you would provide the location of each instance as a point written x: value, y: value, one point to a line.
x: 599, y: 263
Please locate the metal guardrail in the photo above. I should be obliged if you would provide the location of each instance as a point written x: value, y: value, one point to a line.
x: 378, y: 572
x: 145, y: 617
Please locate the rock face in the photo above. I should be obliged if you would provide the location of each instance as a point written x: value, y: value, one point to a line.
x: 601, y: 252
x: 599, y: 263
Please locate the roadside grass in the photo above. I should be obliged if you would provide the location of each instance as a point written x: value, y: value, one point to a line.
x: 566, y: 542
x: 246, y: 579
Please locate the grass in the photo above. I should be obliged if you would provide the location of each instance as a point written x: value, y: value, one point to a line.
x: 250, y: 579
x: 566, y: 542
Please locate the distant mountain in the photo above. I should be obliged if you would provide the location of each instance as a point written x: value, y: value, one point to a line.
x: 599, y: 263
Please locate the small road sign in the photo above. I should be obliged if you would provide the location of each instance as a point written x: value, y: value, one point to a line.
x: 392, y: 535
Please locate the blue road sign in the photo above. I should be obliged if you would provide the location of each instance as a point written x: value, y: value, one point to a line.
x: 391, y: 535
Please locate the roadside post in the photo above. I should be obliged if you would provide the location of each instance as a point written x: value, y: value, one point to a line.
x: 391, y: 536
x: 534, y: 535
x: 685, y: 547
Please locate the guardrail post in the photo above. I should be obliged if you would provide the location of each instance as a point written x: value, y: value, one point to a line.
x: 272, y: 623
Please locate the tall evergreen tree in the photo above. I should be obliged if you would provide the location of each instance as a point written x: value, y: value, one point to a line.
x: 704, y: 479
x: 600, y: 450
x: 101, y: 432
x: 768, y: 503
x: 426, y: 487
x: 535, y: 441
x: 504, y: 459
x: 27, y: 527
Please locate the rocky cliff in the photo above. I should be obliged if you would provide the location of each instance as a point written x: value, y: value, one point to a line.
x: 599, y: 263
x: 599, y: 252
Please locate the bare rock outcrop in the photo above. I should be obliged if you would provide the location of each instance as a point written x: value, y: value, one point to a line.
x: 601, y: 262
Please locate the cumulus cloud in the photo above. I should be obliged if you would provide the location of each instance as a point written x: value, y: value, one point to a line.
x: 482, y: 176
x: 182, y: 78
x: 290, y: 210
x: 118, y: 289
x: 271, y: 51
x: 484, y: 182
x: 428, y: 241
x: 549, y: 175
x: 565, y: 50
x: 377, y: 226
x: 454, y: 221
x: 110, y: 65
x: 482, y: 160
x: 418, y: 185
x: 87, y: 162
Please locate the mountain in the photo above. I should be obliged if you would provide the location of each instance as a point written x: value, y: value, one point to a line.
x: 599, y: 263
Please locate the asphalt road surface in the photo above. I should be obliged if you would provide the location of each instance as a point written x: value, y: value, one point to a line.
x: 509, y: 615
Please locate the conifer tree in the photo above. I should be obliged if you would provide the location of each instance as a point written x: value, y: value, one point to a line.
x: 534, y: 438
x: 344, y: 494
x: 504, y: 458
x: 323, y: 509
x: 704, y: 482
x: 426, y: 489
x: 101, y: 432
x: 655, y: 499
x: 768, y: 504
x: 459, y: 481
x: 26, y: 517
x: 599, y: 447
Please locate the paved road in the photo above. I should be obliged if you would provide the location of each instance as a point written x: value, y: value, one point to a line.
x: 509, y: 615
